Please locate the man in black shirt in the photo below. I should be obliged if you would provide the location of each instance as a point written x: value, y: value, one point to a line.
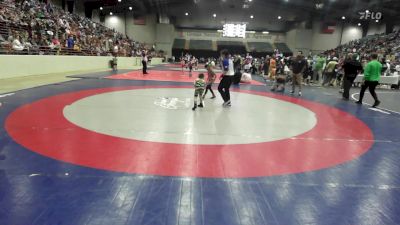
x: 351, y: 67
x: 298, y: 66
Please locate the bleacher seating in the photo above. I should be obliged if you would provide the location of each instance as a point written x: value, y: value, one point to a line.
x: 202, y: 48
x: 235, y: 47
x: 28, y: 33
x: 263, y: 47
x: 283, y: 48
x: 179, y: 44
x: 200, y: 45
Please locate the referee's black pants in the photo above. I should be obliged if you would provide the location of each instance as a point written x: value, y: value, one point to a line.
x: 144, y: 63
x: 223, y: 87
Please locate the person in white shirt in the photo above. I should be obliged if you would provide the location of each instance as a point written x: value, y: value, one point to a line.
x: 16, y: 44
x: 226, y: 78
x: 388, y: 66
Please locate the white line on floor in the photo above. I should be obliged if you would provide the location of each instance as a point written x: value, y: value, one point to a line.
x: 353, y: 97
x: 5, y: 95
x: 379, y: 110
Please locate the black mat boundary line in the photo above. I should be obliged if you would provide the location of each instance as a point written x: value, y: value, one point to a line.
x: 99, y: 75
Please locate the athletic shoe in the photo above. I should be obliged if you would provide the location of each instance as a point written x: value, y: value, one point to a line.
x: 201, y: 105
x: 358, y: 102
x: 299, y: 93
x: 194, y: 107
x: 227, y: 103
x: 376, y: 104
x: 213, y: 97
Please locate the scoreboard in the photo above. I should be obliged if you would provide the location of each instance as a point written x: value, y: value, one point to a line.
x: 234, y: 30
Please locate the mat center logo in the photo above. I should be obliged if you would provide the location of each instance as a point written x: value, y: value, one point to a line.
x: 173, y: 103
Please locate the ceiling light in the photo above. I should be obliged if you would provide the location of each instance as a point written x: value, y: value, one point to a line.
x: 111, y: 13
x: 377, y: 21
x: 265, y: 32
x: 130, y: 8
x: 101, y: 8
x: 250, y: 0
x: 251, y: 17
x: 367, y: 11
x: 214, y: 15
x: 279, y: 17
x: 359, y: 24
x: 343, y: 17
x: 186, y: 14
x: 119, y: 0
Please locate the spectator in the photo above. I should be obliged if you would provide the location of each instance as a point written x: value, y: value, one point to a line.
x: 16, y: 44
x: 70, y: 42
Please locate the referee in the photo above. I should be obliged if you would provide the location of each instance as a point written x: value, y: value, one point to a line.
x: 226, y: 78
x: 144, y: 62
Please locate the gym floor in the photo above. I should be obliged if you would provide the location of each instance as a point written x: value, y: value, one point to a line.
x: 123, y: 148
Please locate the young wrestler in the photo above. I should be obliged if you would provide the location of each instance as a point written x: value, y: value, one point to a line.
x: 183, y: 63
x: 199, y: 86
x: 210, y: 80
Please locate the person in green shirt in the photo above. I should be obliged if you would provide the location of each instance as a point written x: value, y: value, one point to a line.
x: 319, y: 67
x: 372, y: 75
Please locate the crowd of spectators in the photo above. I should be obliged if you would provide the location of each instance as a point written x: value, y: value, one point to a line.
x: 33, y: 25
x: 387, y: 46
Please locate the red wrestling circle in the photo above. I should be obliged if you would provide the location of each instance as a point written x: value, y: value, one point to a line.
x: 41, y: 127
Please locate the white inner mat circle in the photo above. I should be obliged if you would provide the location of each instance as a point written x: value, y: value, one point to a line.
x: 164, y: 115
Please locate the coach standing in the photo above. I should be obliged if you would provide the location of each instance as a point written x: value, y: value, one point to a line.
x: 299, y: 65
x: 226, y: 78
x: 351, y: 69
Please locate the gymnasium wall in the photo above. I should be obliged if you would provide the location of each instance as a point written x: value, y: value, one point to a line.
x: 315, y: 41
x: 214, y: 35
x: 165, y: 35
x: 142, y: 33
x: 376, y: 28
x: 79, y: 7
x: 117, y: 22
x: 299, y: 40
x: 57, y: 3
x: 124, y: 23
x: 30, y: 65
